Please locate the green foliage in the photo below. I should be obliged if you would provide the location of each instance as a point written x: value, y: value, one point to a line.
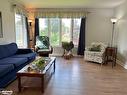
x: 54, y: 38
x: 67, y: 45
x: 40, y: 63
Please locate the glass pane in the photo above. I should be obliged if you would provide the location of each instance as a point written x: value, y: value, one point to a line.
x: 43, y: 26
x: 21, y: 33
x: 76, y: 31
x: 55, y: 31
x: 24, y: 32
x: 66, y: 29
x: 19, y: 36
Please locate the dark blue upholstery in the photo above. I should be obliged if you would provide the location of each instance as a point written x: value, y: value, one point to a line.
x: 12, y: 59
x: 11, y: 49
x: 8, y: 50
x: 24, y: 51
x: 15, y: 61
x: 3, y: 51
x: 29, y: 56
x: 4, y: 69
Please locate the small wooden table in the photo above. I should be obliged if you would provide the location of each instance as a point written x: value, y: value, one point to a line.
x: 110, y: 55
x: 45, y: 73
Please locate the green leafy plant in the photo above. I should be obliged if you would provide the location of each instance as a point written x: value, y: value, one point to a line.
x: 40, y: 63
x: 67, y: 45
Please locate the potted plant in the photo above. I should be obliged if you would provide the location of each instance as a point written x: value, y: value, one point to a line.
x: 67, y: 46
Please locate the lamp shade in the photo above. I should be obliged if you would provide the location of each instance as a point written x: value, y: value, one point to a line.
x: 113, y: 20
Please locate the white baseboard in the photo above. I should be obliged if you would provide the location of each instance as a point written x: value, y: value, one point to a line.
x: 120, y: 63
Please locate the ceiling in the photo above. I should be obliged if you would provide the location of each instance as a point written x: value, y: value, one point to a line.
x: 70, y: 3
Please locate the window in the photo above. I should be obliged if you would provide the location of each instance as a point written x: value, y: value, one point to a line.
x: 55, y: 31
x: 66, y: 29
x: 43, y: 27
x: 21, y: 33
x: 60, y: 29
x: 76, y: 31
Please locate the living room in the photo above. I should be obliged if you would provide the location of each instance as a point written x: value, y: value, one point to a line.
x: 98, y: 28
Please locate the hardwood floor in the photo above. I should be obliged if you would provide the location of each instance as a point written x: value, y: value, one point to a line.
x: 77, y: 77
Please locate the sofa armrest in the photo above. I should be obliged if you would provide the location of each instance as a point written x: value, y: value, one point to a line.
x: 24, y: 51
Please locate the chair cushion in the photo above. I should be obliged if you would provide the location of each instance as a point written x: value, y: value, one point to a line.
x: 42, y: 42
x: 101, y: 45
x: 29, y: 56
x: 94, y: 53
x: 44, y: 50
x: 15, y: 61
x: 96, y: 48
x: 40, y: 45
x: 4, y: 69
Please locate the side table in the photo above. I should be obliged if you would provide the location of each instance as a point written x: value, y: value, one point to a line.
x: 110, y: 55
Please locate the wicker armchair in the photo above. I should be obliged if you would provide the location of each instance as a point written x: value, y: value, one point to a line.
x: 95, y: 55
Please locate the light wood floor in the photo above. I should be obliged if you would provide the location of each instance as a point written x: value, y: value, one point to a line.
x: 77, y: 77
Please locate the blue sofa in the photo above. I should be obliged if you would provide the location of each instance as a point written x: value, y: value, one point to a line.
x: 12, y: 59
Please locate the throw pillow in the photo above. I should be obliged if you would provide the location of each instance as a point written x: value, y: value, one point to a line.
x: 95, y: 48
x: 41, y: 45
x: 42, y: 42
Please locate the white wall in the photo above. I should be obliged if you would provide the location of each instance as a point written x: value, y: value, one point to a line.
x: 7, y: 22
x: 99, y: 26
x: 121, y: 28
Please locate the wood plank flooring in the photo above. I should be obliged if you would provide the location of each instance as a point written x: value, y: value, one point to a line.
x: 77, y: 77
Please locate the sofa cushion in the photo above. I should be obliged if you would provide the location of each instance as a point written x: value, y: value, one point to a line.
x: 15, y: 61
x: 3, y: 51
x: 8, y: 50
x: 29, y: 56
x: 4, y: 69
x: 24, y: 51
x: 11, y: 48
